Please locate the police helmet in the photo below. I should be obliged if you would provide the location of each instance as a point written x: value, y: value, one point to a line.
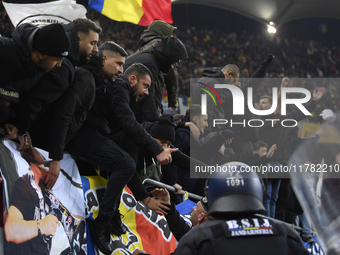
x: 234, y: 189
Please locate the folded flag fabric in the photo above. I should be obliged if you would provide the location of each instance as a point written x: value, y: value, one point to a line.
x: 141, y: 12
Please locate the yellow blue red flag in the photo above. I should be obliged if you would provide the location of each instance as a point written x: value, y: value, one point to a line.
x: 141, y: 12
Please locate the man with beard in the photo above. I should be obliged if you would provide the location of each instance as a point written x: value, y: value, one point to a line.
x: 25, y: 58
x: 84, y: 35
x: 111, y: 112
x: 161, y: 57
x: 72, y: 107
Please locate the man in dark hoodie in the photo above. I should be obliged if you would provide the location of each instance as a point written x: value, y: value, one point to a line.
x: 111, y: 112
x: 84, y: 35
x: 157, y: 30
x: 244, y: 136
x: 158, y: 58
x: 25, y: 58
x: 70, y: 109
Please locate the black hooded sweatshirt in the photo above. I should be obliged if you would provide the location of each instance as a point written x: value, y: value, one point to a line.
x: 64, y: 117
x: 158, y: 58
x: 50, y: 87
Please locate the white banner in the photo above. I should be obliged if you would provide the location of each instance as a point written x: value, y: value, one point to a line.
x: 46, y: 13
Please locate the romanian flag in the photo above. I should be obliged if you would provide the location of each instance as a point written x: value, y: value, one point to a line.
x: 141, y: 12
x: 146, y: 229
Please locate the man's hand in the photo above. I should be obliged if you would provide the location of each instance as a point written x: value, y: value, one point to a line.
x: 25, y: 142
x: 161, y: 194
x: 271, y: 151
x: 285, y: 82
x: 194, y: 130
x: 158, y: 206
x: 165, y: 156
x: 318, y: 95
x: 48, y: 225
x: 175, y: 106
x: 178, y: 188
x: 52, y: 175
x: 12, y: 131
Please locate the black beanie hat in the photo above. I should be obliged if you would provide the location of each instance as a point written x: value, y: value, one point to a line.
x: 164, y: 128
x: 52, y: 40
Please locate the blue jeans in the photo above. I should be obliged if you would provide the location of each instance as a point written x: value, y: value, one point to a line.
x: 272, y: 193
x: 306, y: 226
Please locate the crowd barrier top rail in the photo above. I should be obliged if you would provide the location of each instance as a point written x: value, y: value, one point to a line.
x: 185, y: 194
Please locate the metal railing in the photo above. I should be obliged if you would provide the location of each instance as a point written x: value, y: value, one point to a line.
x: 185, y: 194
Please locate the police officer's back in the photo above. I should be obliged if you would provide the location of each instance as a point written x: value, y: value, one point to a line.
x: 234, y: 198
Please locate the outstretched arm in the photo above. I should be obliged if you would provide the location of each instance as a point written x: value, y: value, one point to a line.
x: 284, y: 83
x: 18, y: 230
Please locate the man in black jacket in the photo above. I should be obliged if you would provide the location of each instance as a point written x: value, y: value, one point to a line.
x: 158, y: 58
x: 244, y: 135
x: 25, y: 58
x: 83, y: 34
x: 111, y: 112
x: 157, y: 30
x: 70, y: 110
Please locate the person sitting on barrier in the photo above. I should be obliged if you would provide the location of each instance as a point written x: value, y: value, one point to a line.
x: 177, y: 224
x: 163, y: 131
x: 235, y: 200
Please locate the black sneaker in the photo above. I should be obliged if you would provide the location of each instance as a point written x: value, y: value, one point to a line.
x: 116, y: 225
x: 101, y: 237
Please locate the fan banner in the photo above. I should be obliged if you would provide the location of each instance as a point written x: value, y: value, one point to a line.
x: 29, y: 206
x: 146, y: 229
x: 46, y: 13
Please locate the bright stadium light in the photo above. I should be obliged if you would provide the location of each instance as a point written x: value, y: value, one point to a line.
x: 271, y: 30
x: 271, y: 27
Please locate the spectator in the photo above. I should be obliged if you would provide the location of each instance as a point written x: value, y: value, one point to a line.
x: 276, y: 134
x: 177, y: 224
x: 111, y: 111
x: 157, y: 30
x: 159, y: 58
x: 25, y: 58
x: 84, y: 35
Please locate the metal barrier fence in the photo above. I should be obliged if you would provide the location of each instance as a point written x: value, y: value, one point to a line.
x: 185, y: 194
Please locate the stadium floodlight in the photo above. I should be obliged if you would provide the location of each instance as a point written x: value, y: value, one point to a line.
x: 271, y: 28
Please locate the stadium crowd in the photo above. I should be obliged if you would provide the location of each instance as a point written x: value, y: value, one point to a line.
x: 294, y: 58
x: 106, y: 91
